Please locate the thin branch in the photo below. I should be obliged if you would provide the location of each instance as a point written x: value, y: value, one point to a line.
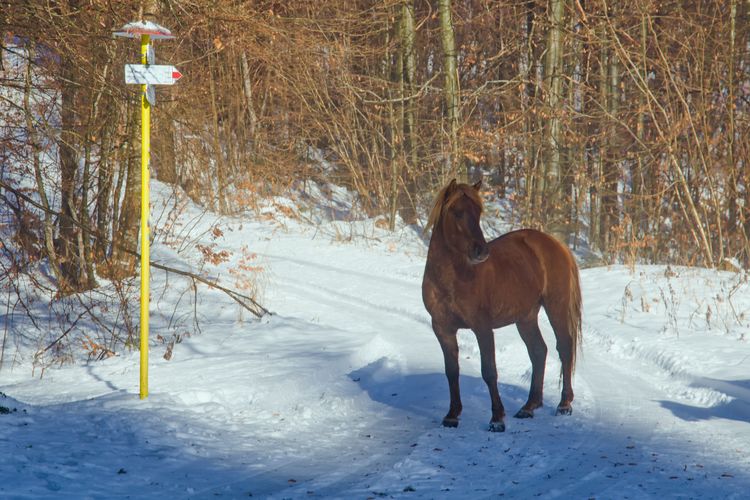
x: 245, y: 301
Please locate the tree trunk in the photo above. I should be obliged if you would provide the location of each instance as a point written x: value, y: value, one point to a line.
x: 247, y: 89
x: 605, y: 198
x: 454, y: 165
x: 31, y: 127
x: 408, y: 35
x: 745, y: 214
x: 528, y: 98
x: 611, y: 163
x: 574, y: 179
x: 556, y: 199
x: 164, y: 148
x: 642, y: 180
x: 127, y: 225
x: 220, y: 165
x: 394, y: 143
x: 71, y: 262
x: 105, y: 177
x: 732, y: 130
x: 84, y: 217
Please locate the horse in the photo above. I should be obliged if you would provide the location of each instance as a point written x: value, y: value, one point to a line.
x: 469, y: 283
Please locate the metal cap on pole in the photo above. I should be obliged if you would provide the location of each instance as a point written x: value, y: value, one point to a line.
x: 138, y: 28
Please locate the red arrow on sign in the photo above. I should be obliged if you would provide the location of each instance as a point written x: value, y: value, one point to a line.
x: 176, y: 75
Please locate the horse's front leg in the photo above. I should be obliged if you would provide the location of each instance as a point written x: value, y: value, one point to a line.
x: 446, y: 335
x: 486, y: 340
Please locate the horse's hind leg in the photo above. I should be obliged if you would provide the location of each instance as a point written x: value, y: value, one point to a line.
x: 532, y: 337
x: 486, y: 341
x: 449, y: 345
x: 566, y: 350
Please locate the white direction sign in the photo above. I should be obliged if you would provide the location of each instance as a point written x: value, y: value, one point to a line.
x: 153, y: 74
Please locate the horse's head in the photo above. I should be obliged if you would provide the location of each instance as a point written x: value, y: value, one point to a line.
x: 457, y: 211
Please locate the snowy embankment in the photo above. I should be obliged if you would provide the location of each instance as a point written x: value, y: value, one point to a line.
x: 341, y: 392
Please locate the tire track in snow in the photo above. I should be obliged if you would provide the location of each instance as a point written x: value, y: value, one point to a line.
x: 665, y: 370
x: 323, y: 295
x: 380, y: 278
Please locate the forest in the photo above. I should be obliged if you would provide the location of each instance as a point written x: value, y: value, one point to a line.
x: 618, y: 125
x: 293, y: 168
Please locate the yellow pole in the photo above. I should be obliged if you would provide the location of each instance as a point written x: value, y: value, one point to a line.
x: 145, y: 251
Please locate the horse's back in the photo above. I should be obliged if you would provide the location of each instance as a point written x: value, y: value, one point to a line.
x: 552, y: 260
x: 539, y: 241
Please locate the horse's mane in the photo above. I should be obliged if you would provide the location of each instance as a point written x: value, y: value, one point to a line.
x: 444, y: 198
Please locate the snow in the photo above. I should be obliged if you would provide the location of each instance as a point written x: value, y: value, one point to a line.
x: 136, y: 28
x: 340, y: 393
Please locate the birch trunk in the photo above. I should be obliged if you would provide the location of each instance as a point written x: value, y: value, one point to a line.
x: 409, y: 111
x: 554, y: 189
x: 454, y: 165
x: 49, y: 232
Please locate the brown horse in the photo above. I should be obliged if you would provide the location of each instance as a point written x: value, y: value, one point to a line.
x: 469, y: 283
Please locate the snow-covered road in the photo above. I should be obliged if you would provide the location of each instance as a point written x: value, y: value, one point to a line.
x: 341, y: 392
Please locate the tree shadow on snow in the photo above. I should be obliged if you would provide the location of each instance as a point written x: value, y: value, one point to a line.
x: 107, y: 447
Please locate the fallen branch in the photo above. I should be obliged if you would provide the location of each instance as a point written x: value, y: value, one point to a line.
x: 243, y: 300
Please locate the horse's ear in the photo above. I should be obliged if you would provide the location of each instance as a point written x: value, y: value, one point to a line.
x: 449, y: 189
x: 477, y: 185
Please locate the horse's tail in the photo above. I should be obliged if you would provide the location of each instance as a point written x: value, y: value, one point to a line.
x: 575, y: 310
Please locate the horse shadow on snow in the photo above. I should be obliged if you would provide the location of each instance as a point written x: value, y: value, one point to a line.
x: 424, y: 396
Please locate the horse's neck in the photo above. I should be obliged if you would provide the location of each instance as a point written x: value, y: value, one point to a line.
x: 442, y: 263
x: 438, y: 250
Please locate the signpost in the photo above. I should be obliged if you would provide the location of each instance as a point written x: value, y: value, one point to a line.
x: 147, y: 74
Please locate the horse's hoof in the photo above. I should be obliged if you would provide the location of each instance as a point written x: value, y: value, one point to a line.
x: 524, y: 413
x: 564, y: 410
x: 450, y: 422
x: 497, y: 426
